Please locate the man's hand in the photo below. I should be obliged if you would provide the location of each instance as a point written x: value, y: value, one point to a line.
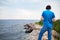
x: 53, y: 20
x: 42, y: 18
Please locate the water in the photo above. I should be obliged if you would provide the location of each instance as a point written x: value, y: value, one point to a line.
x: 13, y: 29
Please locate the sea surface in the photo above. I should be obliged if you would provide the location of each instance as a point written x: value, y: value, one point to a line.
x: 13, y: 29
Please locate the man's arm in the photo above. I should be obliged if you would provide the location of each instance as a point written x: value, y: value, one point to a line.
x: 53, y: 17
x: 42, y: 18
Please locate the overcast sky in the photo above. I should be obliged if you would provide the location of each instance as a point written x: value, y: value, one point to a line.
x: 27, y: 9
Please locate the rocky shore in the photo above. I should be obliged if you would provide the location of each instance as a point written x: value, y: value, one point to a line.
x: 34, y: 34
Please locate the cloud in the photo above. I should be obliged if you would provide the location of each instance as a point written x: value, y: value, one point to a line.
x: 21, y: 11
x: 27, y: 9
x: 18, y: 14
x: 26, y: 4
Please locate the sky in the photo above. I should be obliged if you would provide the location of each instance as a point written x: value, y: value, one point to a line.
x: 27, y: 9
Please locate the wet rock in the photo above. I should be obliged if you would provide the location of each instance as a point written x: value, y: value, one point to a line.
x: 29, y: 31
x: 29, y: 28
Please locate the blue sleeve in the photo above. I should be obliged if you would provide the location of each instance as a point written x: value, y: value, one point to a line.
x: 43, y: 14
x: 53, y: 15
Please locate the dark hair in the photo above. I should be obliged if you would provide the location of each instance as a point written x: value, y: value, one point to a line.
x: 48, y: 7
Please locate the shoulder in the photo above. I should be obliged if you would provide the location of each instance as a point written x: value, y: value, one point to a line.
x: 51, y: 11
x: 43, y: 14
x: 44, y: 11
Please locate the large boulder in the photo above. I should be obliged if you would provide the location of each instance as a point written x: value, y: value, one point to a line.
x: 29, y: 28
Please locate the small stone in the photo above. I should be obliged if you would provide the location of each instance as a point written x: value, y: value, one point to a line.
x: 44, y: 38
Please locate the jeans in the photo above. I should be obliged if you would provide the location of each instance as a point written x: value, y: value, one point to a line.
x: 43, y: 30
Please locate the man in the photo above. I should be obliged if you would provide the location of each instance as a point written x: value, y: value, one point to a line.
x: 48, y: 17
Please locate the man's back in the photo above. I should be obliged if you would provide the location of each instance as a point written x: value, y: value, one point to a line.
x: 48, y: 16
